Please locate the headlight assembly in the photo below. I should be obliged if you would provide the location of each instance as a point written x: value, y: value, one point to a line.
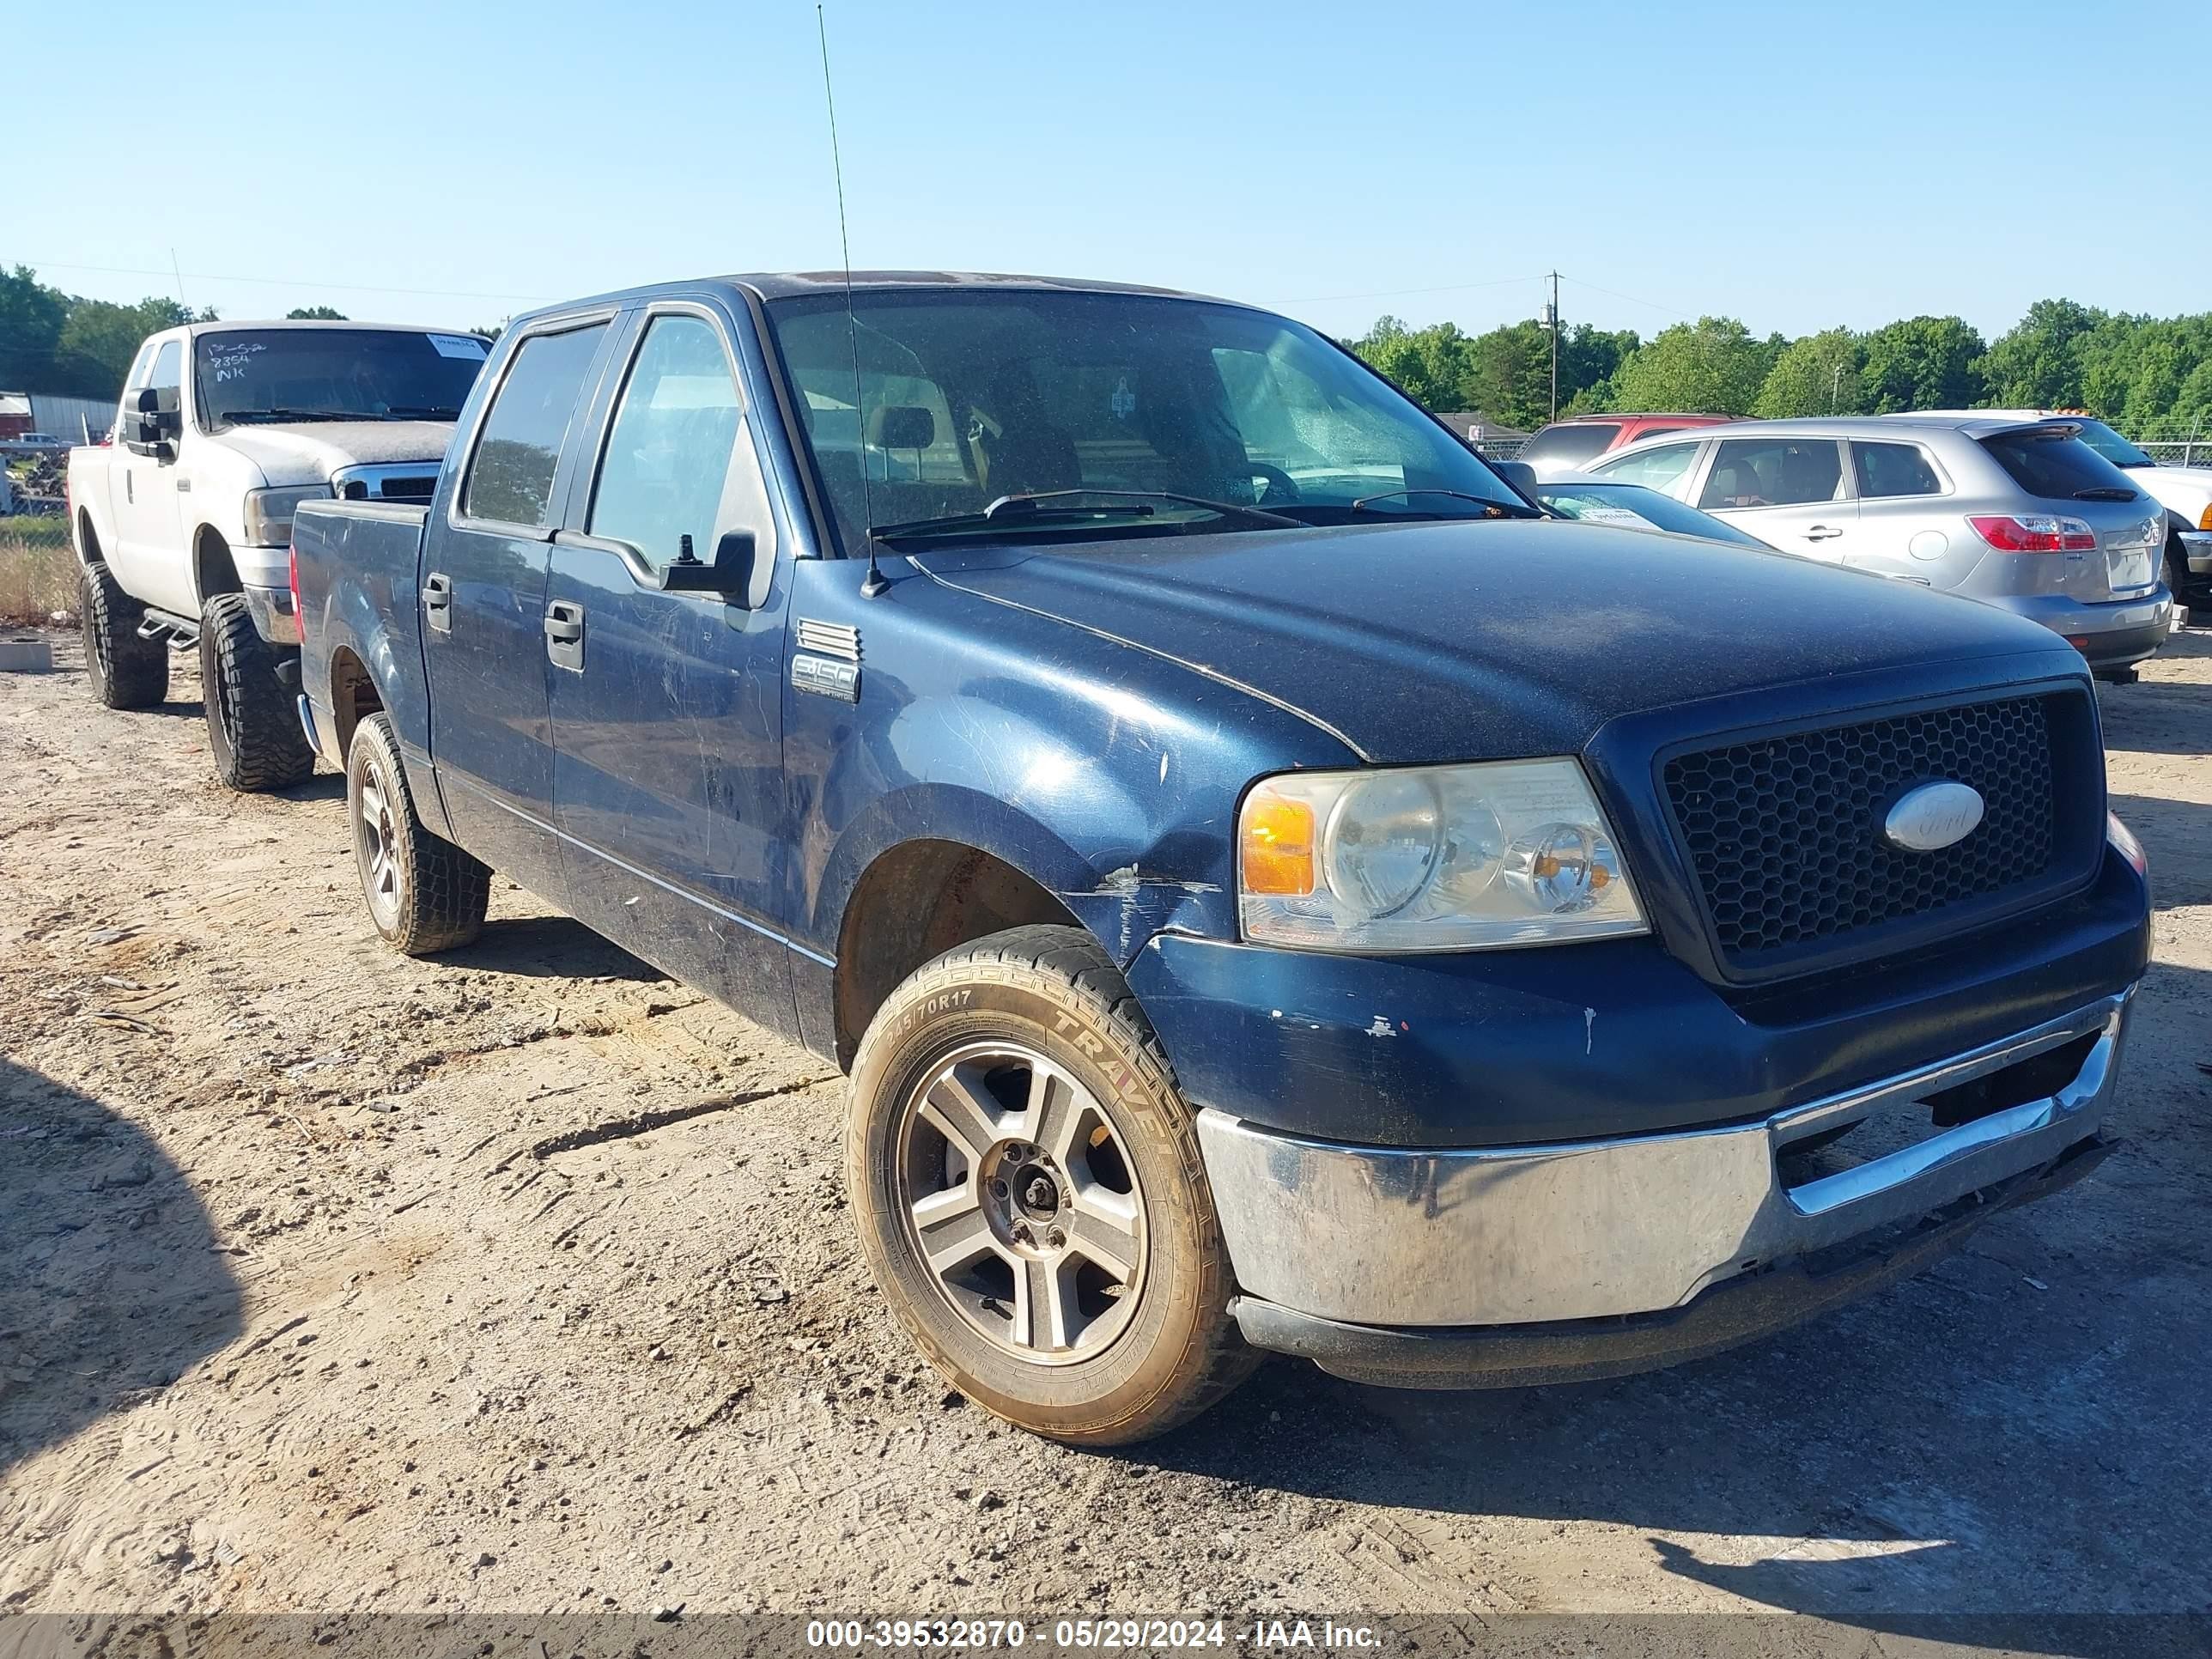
x: 1432, y: 858
x: 269, y: 512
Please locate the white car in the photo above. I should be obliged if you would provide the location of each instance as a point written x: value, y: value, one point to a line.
x: 2185, y: 492
x: 183, y: 524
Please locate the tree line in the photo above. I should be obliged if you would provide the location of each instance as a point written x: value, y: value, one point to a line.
x: 63, y: 345
x: 2146, y: 375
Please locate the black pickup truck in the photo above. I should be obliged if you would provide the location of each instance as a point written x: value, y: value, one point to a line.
x: 1272, y: 886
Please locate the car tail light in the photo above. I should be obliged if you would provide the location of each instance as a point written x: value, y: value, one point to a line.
x: 292, y: 561
x: 2034, y: 532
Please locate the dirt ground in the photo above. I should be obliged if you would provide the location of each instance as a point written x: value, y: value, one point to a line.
x: 522, y: 1280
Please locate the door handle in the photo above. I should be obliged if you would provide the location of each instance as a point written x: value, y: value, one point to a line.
x: 1822, y: 532
x: 438, y: 601
x: 564, y: 633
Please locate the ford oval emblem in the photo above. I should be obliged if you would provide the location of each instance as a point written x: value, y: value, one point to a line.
x: 1933, y: 815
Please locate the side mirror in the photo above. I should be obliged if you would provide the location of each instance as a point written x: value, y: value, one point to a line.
x: 149, y: 426
x: 730, y: 575
x: 1519, y: 474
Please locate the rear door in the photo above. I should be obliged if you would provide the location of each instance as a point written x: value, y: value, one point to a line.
x: 1908, y: 527
x: 1790, y: 492
x: 668, y: 707
x: 484, y: 604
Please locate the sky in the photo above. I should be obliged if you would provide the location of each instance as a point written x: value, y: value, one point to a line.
x: 1797, y: 166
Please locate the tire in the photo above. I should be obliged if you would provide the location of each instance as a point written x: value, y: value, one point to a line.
x: 125, y: 671
x: 2178, y: 579
x: 1074, y: 1149
x: 423, y: 893
x: 254, y: 723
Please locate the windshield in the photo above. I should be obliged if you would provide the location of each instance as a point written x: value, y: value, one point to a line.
x: 2112, y: 446
x: 965, y: 397
x: 1632, y: 506
x: 245, y: 375
x: 1570, y: 445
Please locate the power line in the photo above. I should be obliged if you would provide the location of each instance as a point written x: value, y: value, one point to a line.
x: 286, y: 281
x: 1397, y: 293
x: 1672, y: 311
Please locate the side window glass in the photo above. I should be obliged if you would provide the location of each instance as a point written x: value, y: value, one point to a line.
x: 1894, y: 469
x: 511, y: 476
x: 667, y: 471
x: 167, y: 376
x: 1774, y: 472
x: 141, y: 369
x: 1656, y: 469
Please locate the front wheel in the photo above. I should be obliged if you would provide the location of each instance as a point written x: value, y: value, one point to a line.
x: 254, y: 725
x: 1029, y: 1194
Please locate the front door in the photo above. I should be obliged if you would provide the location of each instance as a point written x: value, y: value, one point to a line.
x: 667, y: 706
x: 484, y: 609
x: 1789, y: 492
x: 149, y: 557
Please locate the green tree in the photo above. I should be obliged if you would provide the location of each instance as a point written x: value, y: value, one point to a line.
x: 1712, y: 366
x: 1432, y: 364
x: 1820, y: 375
x: 2037, y: 364
x: 100, y: 338
x: 31, y: 319
x: 1923, y: 362
x: 314, y: 314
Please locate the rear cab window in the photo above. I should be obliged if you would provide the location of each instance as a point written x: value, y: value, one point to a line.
x: 1750, y: 472
x: 1565, y: 445
x: 2051, y: 464
x: 1885, y: 471
x: 518, y: 452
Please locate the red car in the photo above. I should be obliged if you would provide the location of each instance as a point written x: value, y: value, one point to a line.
x: 1572, y: 443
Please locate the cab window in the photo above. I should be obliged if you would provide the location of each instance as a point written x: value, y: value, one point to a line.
x: 667, y: 473
x: 1774, y: 472
x: 1656, y: 469
x: 511, y: 476
x: 1886, y: 470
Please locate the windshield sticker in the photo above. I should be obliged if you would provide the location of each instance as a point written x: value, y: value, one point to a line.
x: 458, y: 345
x: 1124, y: 401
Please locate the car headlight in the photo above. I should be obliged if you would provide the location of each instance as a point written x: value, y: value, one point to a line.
x: 1431, y: 858
x: 269, y: 512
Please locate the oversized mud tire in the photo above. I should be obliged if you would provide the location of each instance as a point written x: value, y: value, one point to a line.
x: 423, y: 893
x: 124, y: 671
x: 1029, y: 1191
x: 252, y: 720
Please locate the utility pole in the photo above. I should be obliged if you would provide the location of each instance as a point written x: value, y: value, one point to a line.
x: 1551, y: 322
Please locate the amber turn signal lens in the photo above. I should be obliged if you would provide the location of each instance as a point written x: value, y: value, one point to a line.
x: 1278, y: 851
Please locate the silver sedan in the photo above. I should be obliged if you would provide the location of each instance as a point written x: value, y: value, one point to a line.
x: 2017, y: 513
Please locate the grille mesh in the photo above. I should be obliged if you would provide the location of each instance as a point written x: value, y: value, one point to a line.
x: 1785, y: 833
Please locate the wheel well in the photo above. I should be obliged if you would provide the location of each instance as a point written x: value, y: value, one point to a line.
x: 915, y: 903
x: 353, y: 696
x: 87, y: 538
x: 212, y: 572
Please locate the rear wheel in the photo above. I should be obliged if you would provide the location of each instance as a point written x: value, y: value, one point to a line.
x: 125, y: 670
x: 1029, y: 1194
x: 423, y: 893
x: 254, y: 723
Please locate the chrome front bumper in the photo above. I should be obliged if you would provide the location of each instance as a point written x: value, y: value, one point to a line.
x: 1413, y: 1238
x: 2197, y: 549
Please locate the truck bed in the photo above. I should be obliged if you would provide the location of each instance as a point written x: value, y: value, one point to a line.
x: 365, y: 628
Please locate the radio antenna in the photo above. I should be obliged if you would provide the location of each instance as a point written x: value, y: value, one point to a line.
x: 876, y: 584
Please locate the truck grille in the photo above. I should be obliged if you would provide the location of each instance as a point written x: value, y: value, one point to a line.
x: 1785, y: 834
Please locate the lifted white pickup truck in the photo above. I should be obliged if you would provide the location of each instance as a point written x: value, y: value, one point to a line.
x: 183, y: 524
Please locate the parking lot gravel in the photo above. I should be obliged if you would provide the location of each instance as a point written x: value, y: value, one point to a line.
x: 522, y: 1279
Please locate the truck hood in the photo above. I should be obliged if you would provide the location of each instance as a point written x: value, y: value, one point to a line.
x: 309, y: 453
x: 2184, y: 490
x: 1490, y: 639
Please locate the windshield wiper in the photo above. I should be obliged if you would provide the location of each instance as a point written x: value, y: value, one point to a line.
x: 420, y: 412
x: 238, y: 414
x: 1497, y: 508
x: 2105, y: 493
x: 1047, y: 507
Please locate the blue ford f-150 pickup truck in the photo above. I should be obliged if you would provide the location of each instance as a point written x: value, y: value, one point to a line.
x: 1272, y: 888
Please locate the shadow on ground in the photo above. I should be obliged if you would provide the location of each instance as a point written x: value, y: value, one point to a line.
x: 112, y: 1278
x: 550, y: 947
